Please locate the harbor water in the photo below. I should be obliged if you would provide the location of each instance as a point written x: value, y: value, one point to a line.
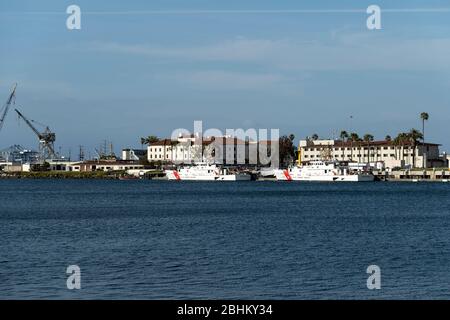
x: 227, y: 240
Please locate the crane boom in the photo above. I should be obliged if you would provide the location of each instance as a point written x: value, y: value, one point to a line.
x: 28, y: 122
x: 7, y: 105
x: 46, y: 138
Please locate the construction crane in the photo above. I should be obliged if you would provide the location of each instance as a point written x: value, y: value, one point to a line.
x: 46, y: 138
x: 5, y: 108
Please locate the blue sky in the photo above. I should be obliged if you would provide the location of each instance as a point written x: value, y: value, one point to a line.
x: 128, y: 75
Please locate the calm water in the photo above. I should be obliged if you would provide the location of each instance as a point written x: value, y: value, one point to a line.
x: 252, y: 240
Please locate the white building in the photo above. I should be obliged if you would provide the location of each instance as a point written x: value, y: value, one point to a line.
x: 134, y: 154
x: 221, y: 150
x: 183, y: 150
x: 55, y: 165
x: 393, y: 156
x: 104, y: 165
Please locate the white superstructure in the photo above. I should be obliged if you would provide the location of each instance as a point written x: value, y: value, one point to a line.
x: 205, y: 172
x: 319, y: 170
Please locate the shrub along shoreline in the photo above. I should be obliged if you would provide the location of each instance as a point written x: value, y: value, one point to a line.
x: 62, y: 175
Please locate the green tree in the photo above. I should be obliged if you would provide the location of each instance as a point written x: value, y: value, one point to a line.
x: 353, y: 137
x: 424, y: 116
x: 368, y: 138
x: 149, y: 140
x: 344, y: 136
x: 414, y: 137
x: 400, y: 141
x: 286, y: 149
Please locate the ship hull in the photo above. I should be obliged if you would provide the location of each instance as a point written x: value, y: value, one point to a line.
x: 180, y: 176
x: 176, y: 175
x: 285, y: 175
x: 234, y: 177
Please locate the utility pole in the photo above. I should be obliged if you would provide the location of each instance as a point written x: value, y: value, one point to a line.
x: 350, y: 127
x: 105, y: 148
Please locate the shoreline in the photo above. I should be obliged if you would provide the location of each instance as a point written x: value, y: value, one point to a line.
x: 117, y: 176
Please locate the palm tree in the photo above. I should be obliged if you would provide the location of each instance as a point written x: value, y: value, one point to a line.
x: 292, y: 137
x: 424, y: 116
x: 414, y: 136
x: 400, y: 141
x: 368, y: 138
x: 148, y: 140
x: 388, y: 138
x: 343, y: 135
x: 315, y: 136
x: 397, y: 141
x: 353, y: 138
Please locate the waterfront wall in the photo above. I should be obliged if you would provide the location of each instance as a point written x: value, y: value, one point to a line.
x: 435, y: 174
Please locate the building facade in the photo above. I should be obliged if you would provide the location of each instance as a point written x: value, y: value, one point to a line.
x: 104, y: 165
x: 134, y: 154
x: 386, y: 152
x: 220, y: 150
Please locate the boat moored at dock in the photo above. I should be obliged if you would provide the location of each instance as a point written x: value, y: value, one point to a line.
x: 319, y: 170
x: 206, y: 172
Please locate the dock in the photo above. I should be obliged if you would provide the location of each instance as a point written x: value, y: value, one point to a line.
x: 413, y: 175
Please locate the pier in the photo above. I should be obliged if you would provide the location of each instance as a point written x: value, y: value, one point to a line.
x: 413, y: 175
